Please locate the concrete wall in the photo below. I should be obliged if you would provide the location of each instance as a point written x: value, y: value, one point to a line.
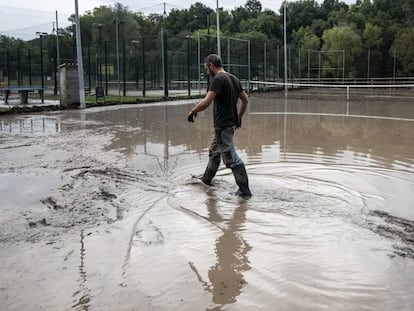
x: 69, y: 85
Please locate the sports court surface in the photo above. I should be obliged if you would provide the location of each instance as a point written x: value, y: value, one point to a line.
x: 99, y: 211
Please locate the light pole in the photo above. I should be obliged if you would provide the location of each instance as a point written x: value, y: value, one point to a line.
x: 299, y: 63
x: 79, y: 58
x: 30, y: 67
x: 218, y: 31
x: 99, y: 26
x: 143, y: 67
x: 123, y: 68
x: 57, y: 40
x: 74, y: 41
x: 208, y: 12
x: 117, y: 22
x: 136, y: 42
x: 7, y: 66
x: 394, y: 65
x: 41, y: 34
x: 285, y: 48
x: 264, y: 61
x: 57, y: 67
x: 188, y: 66
x: 19, y: 69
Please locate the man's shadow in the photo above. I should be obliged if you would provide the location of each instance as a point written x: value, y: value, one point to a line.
x: 226, y: 278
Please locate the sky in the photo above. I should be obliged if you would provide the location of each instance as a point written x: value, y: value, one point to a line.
x: 23, y: 18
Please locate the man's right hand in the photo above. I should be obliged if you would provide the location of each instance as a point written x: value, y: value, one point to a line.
x: 239, y: 123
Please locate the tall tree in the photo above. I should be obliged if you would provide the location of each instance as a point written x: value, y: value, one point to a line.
x: 254, y: 7
x: 239, y: 14
x: 301, y: 14
x: 305, y: 42
x: 404, y: 48
x: 341, y: 38
x: 372, y: 37
x: 266, y: 23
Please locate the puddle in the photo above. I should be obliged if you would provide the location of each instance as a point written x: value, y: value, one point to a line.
x: 30, y: 125
x: 102, y: 213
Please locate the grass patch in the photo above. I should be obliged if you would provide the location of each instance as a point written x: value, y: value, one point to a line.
x: 90, y: 101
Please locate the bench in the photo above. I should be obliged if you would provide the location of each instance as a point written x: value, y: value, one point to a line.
x: 23, y: 92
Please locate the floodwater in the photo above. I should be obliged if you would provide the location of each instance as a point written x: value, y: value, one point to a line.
x: 99, y: 212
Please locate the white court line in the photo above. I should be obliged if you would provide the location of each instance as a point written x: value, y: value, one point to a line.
x: 333, y: 115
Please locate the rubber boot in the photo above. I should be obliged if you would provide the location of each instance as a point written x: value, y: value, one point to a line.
x: 210, y: 172
x: 240, y: 175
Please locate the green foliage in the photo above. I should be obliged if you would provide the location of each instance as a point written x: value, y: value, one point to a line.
x: 372, y: 36
x: 254, y: 7
x: 252, y: 36
x: 302, y: 13
x: 106, y: 16
x: 319, y: 26
x: 305, y: 40
x: 404, y: 47
x: 250, y: 11
x: 341, y: 38
x: 239, y: 15
x: 196, y: 17
x: 366, y: 27
x: 266, y: 24
x: 400, y: 11
x: 330, y: 6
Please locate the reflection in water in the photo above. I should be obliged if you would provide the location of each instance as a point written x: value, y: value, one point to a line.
x: 303, y: 130
x: 340, y: 132
x: 226, y: 278
x: 30, y: 126
x: 84, y: 300
x: 321, y: 174
x: 329, y: 226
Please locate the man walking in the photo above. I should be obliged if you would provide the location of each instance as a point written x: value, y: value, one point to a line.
x: 225, y: 89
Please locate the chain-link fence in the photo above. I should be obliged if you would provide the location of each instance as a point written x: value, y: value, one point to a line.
x: 144, y: 65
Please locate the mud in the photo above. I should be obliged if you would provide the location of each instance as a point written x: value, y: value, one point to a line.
x: 99, y: 210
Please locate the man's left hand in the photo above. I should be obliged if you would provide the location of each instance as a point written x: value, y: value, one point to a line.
x: 191, y: 116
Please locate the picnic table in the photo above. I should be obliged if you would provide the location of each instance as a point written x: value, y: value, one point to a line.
x: 23, y: 91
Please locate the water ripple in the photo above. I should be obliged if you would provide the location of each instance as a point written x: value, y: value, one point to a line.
x: 324, y: 233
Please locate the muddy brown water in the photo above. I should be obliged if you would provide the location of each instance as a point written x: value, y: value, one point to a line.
x: 98, y: 210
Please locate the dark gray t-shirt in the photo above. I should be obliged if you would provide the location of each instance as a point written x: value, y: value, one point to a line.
x: 227, y: 88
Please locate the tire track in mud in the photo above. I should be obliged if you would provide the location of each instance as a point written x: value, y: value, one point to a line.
x: 135, y: 233
x: 88, y: 197
x: 15, y: 146
x: 358, y: 206
x: 303, y: 196
x: 397, y: 229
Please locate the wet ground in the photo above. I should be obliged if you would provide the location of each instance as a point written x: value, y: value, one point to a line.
x: 98, y: 210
